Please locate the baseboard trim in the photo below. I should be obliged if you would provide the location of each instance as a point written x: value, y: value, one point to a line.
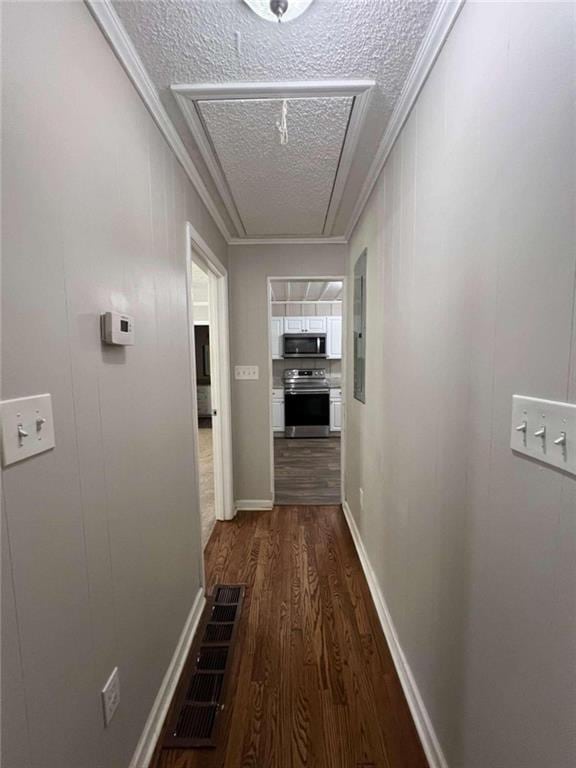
x: 151, y: 733
x: 424, y: 726
x: 253, y: 504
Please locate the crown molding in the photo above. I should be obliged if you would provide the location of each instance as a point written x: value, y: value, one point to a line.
x: 113, y: 30
x: 442, y: 22
x: 189, y: 95
x: 336, y: 240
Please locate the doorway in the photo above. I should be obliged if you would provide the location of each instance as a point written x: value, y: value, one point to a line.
x: 210, y: 375
x: 201, y: 318
x: 306, y: 322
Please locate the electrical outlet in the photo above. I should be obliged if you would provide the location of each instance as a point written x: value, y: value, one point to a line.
x: 246, y: 372
x: 111, y: 696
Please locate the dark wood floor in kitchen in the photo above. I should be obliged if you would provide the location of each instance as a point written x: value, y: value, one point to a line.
x: 307, y: 471
x: 313, y: 681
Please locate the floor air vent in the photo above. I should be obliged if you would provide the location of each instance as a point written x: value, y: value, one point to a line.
x: 202, y: 692
x: 223, y: 613
x: 212, y: 658
x: 228, y: 595
x: 218, y: 633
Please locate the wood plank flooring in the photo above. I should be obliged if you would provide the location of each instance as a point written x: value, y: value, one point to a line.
x: 307, y: 471
x: 313, y: 681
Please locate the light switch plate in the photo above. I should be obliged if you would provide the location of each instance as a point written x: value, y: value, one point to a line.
x: 111, y: 696
x: 27, y: 427
x: 246, y: 372
x: 556, y: 445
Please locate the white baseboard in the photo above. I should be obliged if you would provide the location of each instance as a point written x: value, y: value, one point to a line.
x: 151, y: 733
x: 422, y: 721
x: 253, y: 504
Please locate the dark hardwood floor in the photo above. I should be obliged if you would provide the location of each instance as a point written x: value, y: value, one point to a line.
x: 307, y: 471
x: 313, y: 681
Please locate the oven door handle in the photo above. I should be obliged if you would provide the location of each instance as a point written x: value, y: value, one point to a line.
x: 309, y: 392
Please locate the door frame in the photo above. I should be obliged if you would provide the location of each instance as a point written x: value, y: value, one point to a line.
x: 344, y: 365
x: 199, y: 252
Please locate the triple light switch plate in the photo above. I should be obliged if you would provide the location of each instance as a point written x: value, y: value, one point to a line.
x: 545, y: 430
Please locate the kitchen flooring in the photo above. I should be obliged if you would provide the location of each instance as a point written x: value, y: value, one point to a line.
x: 307, y: 471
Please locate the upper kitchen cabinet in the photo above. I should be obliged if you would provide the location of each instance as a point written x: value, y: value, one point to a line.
x: 294, y: 324
x: 315, y: 324
x: 276, y: 332
x: 333, y: 337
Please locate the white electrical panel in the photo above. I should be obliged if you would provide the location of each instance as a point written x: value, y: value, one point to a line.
x: 246, y: 372
x: 27, y: 427
x: 545, y: 430
x: 116, y: 328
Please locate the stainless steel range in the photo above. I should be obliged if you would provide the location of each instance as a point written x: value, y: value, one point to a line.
x: 306, y: 402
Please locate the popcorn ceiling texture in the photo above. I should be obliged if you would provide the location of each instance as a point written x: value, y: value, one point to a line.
x: 279, y: 190
x: 223, y: 40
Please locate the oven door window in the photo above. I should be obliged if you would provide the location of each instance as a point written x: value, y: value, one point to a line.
x: 306, y: 409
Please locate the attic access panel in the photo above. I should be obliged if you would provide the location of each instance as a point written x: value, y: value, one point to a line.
x: 271, y: 189
x: 279, y: 189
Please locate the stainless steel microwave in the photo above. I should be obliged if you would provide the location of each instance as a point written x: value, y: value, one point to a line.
x: 304, y: 345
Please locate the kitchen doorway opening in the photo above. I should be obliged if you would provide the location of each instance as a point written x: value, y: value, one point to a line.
x: 210, y: 373
x: 306, y: 364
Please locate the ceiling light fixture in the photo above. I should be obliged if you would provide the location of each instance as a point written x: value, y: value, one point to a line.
x: 278, y: 10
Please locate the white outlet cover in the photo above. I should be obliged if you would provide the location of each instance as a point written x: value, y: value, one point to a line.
x: 111, y: 696
x: 557, y: 418
x: 27, y: 427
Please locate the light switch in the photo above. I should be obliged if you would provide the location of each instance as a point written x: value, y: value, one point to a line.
x: 246, y: 372
x: 27, y: 427
x: 545, y: 430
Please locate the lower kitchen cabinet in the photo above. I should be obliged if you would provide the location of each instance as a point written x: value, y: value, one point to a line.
x: 335, y: 410
x: 278, y: 410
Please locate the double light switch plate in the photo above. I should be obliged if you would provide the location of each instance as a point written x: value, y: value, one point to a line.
x: 545, y: 430
x: 27, y: 427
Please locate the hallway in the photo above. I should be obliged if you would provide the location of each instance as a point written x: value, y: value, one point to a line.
x: 347, y: 242
x: 312, y: 666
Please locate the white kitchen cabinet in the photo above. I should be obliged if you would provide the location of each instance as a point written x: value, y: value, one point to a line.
x: 276, y: 332
x: 315, y: 324
x: 278, y: 410
x: 335, y: 410
x: 334, y: 337
x: 293, y: 324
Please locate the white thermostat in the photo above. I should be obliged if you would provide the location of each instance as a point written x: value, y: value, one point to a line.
x: 117, y: 329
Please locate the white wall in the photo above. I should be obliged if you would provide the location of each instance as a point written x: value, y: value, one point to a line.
x: 250, y: 266
x: 471, y: 297
x: 101, y: 540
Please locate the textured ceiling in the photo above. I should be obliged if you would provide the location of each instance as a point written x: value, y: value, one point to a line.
x: 306, y: 290
x: 278, y: 189
x: 218, y: 41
